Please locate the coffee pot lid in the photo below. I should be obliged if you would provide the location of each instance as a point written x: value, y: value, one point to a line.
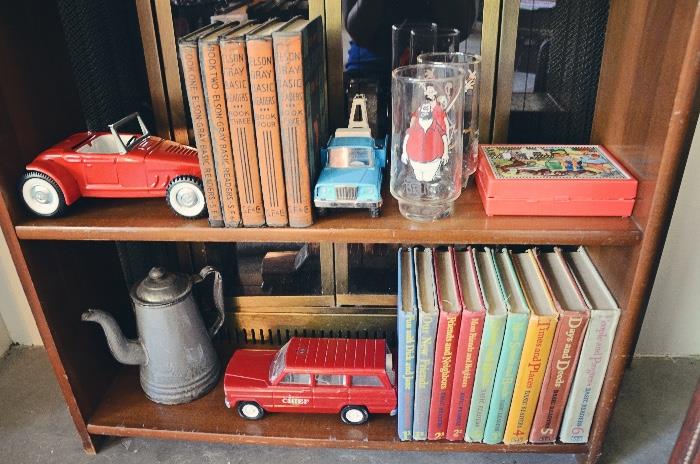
x: 162, y: 287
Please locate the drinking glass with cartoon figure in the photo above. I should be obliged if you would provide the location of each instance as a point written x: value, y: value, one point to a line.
x: 426, y: 143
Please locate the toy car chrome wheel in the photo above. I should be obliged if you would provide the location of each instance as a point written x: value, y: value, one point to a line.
x: 185, y: 195
x: 41, y: 194
x: 354, y: 415
x: 250, y: 410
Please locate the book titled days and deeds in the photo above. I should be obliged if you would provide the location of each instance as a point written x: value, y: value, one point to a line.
x: 215, y: 96
x: 428, y: 315
x: 553, y: 180
x: 516, y: 326
x: 407, y: 324
x: 470, y: 331
x: 595, y: 353
x: 450, y: 306
x: 490, y: 348
x: 234, y: 61
x: 263, y: 90
x: 300, y: 67
x: 192, y: 76
x: 536, y: 348
x: 566, y: 347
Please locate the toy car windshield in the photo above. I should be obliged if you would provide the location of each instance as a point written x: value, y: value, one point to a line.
x: 126, y: 141
x: 278, y: 364
x: 350, y: 157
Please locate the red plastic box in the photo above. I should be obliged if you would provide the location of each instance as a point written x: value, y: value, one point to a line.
x: 553, y: 180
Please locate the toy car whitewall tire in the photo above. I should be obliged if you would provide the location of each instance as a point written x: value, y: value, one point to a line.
x: 185, y: 195
x: 250, y: 410
x: 354, y: 415
x: 41, y: 194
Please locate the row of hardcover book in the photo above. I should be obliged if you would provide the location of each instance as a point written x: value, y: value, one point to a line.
x: 257, y: 98
x: 501, y: 346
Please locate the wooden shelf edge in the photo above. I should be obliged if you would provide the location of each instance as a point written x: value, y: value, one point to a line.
x: 348, y: 235
x: 151, y: 220
x: 425, y: 446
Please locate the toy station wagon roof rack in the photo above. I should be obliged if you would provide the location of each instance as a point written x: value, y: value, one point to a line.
x: 347, y: 355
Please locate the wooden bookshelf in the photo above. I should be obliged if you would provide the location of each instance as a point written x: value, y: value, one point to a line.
x: 152, y: 220
x: 646, y: 111
x: 125, y: 412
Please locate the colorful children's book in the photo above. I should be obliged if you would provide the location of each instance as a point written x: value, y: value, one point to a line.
x: 490, y: 348
x: 470, y: 331
x: 566, y: 347
x: 553, y: 180
x: 536, y: 349
x: 511, y: 349
x: 427, y: 327
x: 407, y: 321
x: 595, y: 353
x: 450, y: 304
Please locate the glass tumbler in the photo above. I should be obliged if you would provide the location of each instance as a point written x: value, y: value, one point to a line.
x: 470, y: 139
x: 401, y: 41
x: 426, y: 143
x: 421, y: 41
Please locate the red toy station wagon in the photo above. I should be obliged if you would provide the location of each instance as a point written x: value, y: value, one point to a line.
x: 114, y: 164
x: 313, y: 375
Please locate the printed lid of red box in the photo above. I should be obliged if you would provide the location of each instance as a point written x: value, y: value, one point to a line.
x: 547, y: 171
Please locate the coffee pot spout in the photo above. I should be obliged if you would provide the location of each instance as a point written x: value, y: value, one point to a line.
x: 125, y: 351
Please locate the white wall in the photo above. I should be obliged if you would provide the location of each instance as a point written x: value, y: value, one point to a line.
x: 4, y: 338
x: 14, y: 309
x: 672, y: 322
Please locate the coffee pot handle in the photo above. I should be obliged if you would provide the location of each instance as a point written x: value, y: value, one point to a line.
x: 218, y: 293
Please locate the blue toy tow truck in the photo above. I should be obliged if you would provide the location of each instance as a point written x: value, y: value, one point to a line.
x: 352, y: 166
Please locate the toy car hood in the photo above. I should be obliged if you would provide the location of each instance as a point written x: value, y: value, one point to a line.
x: 249, y: 368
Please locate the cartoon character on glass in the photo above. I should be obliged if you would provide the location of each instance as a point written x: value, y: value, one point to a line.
x: 427, y: 141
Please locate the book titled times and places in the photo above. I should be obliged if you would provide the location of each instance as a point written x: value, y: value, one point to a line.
x: 501, y: 345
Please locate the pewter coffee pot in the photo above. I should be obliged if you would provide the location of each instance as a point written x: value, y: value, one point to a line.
x: 174, y: 348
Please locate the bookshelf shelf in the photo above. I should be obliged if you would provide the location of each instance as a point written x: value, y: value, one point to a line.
x: 124, y: 411
x: 153, y: 221
x: 68, y: 264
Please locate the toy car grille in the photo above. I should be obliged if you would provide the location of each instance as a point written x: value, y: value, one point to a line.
x: 346, y: 193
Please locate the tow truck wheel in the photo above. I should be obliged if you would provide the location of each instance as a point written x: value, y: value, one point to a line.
x: 250, y: 410
x: 354, y: 415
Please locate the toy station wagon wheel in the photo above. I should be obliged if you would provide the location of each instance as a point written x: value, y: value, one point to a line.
x: 185, y: 195
x: 354, y: 415
x: 41, y: 194
x: 250, y: 410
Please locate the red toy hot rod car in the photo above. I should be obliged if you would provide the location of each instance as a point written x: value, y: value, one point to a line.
x: 313, y: 375
x: 114, y: 165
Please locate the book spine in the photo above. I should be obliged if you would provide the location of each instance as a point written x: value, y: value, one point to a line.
x: 195, y: 97
x: 483, y: 379
x: 406, y: 333
x: 558, y: 377
x: 470, y: 332
x: 585, y: 391
x: 506, y: 372
x: 443, y: 373
x: 213, y: 82
x: 240, y: 116
x: 298, y: 66
x: 263, y: 90
x: 427, y: 327
x: 536, y: 349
